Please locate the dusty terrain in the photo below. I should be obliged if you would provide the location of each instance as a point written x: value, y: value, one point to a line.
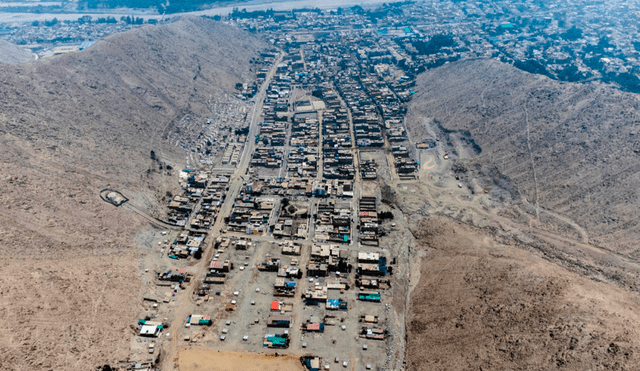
x: 11, y: 53
x: 570, y: 148
x: 71, y: 126
x: 196, y: 359
x: 502, y: 283
x: 482, y: 303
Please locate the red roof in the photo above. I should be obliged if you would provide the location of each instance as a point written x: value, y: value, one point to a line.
x: 275, y: 305
x: 313, y: 326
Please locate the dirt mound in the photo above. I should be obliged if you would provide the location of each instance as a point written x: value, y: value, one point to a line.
x: 11, y: 53
x: 569, y: 148
x: 70, y: 126
x: 482, y: 304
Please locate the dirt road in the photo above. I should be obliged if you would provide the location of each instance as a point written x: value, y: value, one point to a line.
x: 185, y: 304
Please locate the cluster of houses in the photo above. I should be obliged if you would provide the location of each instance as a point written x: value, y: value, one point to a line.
x: 279, y: 318
x: 269, y: 157
x: 298, y: 187
x: 199, y: 204
x: 368, y: 169
x: 303, y: 158
x: 368, y: 218
x: 405, y: 165
x: 276, y: 102
x: 219, y: 266
x: 289, y: 187
x: 293, y: 221
x: 352, y: 106
x: 188, y: 243
x: 232, y: 151
x: 273, y: 132
x: 302, y: 163
x: 333, y: 222
x: 336, y: 132
x: 327, y: 258
x: 360, y: 83
x: 293, y: 198
x: 250, y: 214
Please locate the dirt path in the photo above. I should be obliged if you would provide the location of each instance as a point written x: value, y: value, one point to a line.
x: 185, y: 304
x: 533, y: 162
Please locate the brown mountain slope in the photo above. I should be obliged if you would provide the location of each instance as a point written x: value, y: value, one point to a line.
x: 484, y: 303
x: 569, y: 148
x: 90, y: 119
x: 70, y: 126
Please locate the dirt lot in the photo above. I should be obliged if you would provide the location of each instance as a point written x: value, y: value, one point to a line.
x: 200, y: 359
x: 76, y: 311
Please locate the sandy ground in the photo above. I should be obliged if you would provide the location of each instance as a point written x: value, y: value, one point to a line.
x: 543, y: 139
x: 486, y: 304
x: 199, y: 359
x: 11, y: 53
x: 76, y: 311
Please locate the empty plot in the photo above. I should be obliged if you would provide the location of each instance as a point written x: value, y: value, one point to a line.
x: 191, y: 360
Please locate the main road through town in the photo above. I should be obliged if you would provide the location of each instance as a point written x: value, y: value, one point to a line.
x: 185, y: 303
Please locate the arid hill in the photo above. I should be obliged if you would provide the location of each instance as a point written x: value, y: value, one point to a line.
x: 70, y: 126
x: 91, y: 119
x: 570, y: 148
x: 484, y: 303
x: 11, y: 53
x: 524, y: 223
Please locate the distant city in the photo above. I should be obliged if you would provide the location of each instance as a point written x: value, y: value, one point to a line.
x: 568, y: 41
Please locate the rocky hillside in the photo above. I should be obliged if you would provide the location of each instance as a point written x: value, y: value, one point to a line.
x: 11, y: 53
x: 83, y: 121
x: 569, y: 148
x: 69, y: 126
x: 484, y: 303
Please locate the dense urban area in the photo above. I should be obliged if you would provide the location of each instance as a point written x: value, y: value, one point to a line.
x: 280, y: 237
x: 299, y: 250
x: 568, y: 41
x: 280, y: 198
